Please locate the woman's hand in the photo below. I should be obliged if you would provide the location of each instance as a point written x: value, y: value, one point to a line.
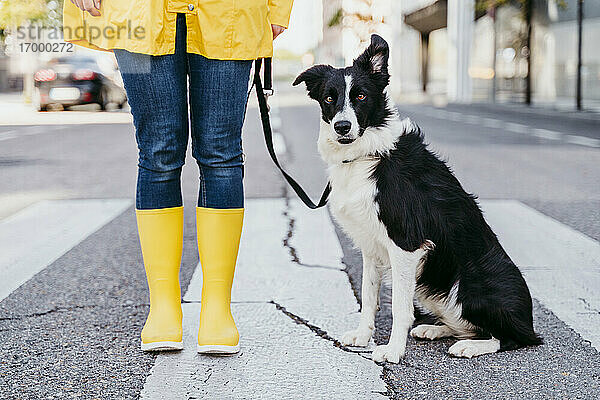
x: 277, y: 30
x: 91, y: 6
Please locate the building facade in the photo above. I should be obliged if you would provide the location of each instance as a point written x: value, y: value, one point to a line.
x: 438, y: 50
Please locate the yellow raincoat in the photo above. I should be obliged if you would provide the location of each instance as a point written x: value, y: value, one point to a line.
x: 218, y: 29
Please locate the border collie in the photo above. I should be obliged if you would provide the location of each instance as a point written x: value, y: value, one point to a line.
x: 405, y: 210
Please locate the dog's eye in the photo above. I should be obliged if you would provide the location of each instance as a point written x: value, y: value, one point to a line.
x: 361, y: 97
x: 328, y: 99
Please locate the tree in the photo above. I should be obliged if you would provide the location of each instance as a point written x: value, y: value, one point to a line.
x: 15, y: 13
x: 18, y: 12
x: 361, y: 19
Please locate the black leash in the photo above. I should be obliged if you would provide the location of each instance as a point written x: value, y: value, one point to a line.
x: 266, y: 123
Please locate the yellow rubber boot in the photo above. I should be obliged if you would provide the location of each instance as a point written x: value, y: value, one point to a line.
x: 161, y: 238
x: 219, y: 232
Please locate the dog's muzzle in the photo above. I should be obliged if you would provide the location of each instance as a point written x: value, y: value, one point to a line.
x: 345, y: 140
x: 343, y: 128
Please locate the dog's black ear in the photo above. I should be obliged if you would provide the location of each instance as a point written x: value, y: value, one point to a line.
x: 375, y: 58
x: 314, y: 78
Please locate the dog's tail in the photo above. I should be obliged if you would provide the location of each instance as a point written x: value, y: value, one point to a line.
x: 521, y: 335
x: 518, y: 332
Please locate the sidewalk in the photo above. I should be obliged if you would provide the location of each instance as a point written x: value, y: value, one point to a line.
x: 555, y: 110
x: 14, y: 112
x: 590, y: 115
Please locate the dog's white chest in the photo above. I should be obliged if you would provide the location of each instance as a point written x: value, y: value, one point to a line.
x: 353, y: 203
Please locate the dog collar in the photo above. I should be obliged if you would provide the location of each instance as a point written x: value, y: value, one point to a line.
x: 366, y: 158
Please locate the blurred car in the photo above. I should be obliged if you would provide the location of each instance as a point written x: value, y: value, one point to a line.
x: 76, y: 80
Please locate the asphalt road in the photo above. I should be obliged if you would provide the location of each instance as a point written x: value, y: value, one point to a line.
x: 72, y: 330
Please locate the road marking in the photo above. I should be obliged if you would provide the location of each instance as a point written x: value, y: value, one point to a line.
x: 456, y: 117
x: 28, y: 131
x: 36, y: 236
x: 440, y: 113
x: 275, y: 120
x: 560, y: 264
x: 12, y: 202
x: 314, y: 239
x: 279, y: 144
x: 278, y: 140
x: 517, y: 128
x: 582, y: 140
x: 276, y: 350
x: 472, y: 119
x: 547, y: 134
x: 492, y: 123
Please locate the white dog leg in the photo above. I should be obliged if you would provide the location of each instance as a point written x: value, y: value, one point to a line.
x: 404, y: 266
x: 431, y: 332
x: 472, y: 348
x: 371, y: 281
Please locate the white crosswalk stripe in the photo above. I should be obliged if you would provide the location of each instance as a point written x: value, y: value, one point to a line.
x: 276, y: 350
x: 517, y: 128
x: 491, y: 123
x: 547, y: 134
x: 583, y: 141
x: 560, y: 264
x: 33, y: 238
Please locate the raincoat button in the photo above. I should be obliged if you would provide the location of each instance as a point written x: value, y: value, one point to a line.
x: 191, y: 7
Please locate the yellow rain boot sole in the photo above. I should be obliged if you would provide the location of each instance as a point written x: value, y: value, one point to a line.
x: 161, y: 239
x: 162, y: 346
x: 219, y: 232
x: 218, y: 349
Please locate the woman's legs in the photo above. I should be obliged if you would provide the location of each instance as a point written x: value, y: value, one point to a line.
x: 218, y: 94
x: 157, y: 92
x: 218, y: 103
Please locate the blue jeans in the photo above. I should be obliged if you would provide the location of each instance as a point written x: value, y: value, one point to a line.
x: 157, y: 89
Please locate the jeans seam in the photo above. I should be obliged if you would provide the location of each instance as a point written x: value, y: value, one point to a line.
x: 202, y: 195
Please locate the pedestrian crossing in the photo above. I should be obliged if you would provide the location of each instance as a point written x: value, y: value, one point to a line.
x: 292, y: 298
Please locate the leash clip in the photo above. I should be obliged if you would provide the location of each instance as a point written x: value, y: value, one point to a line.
x: 268, y: 93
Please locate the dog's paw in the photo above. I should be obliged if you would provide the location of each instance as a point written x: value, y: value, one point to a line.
x: 473, y: 348
x: 430, y: 332
x: 357, y: 337
x: 390, y: 353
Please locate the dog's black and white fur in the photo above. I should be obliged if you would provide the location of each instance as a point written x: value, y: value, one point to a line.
x: 405, y: 210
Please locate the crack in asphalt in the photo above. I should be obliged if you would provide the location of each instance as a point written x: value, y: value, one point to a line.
x: 290, y: 234
x: 66, y: 309
x: 290, y: 231
x: 324, y: 335
x: 588, y: 306
x: 301, y: 321
x: 386, y: 371
x: 318, y: 331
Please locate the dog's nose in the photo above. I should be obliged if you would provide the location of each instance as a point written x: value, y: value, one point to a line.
x: 342, y: 127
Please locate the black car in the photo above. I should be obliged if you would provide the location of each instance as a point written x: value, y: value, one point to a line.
x: 75, y: 80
